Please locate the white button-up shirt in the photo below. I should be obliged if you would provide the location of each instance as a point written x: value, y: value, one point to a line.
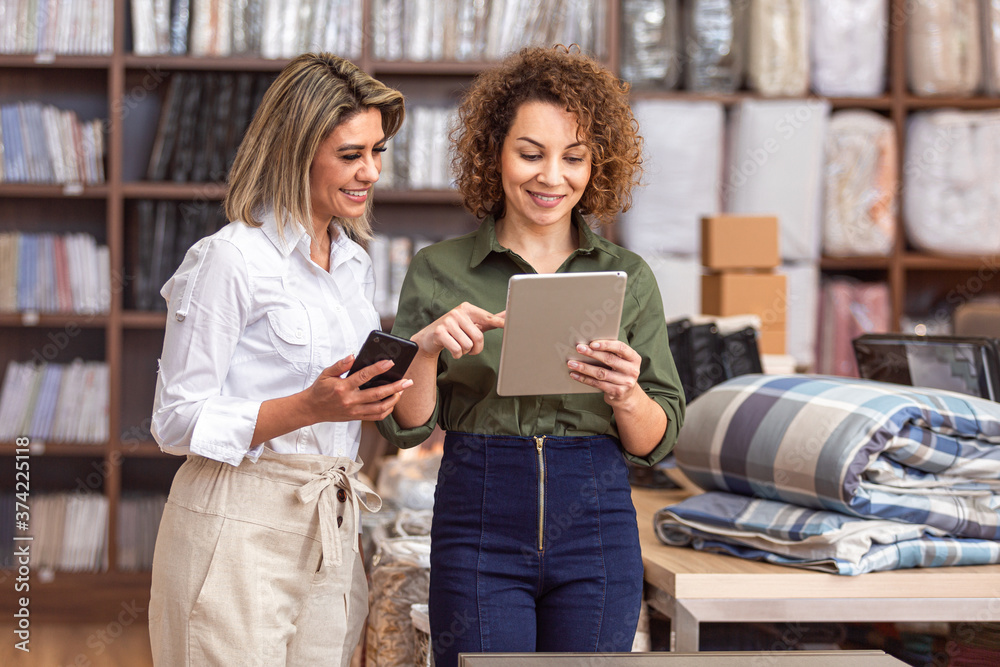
x: 250, y: 318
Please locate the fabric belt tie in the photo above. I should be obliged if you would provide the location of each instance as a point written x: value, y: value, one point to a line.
x: 324, y: 488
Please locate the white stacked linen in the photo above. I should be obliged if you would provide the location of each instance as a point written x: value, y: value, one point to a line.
x: 779, y: 47
x: 802, y: 313
x: 849, y: 45
x: 861, y: 176
x: 944, y: 53
x: 679, y: 280
x: 682, y: 163
x: 775, y: 167
x: 951, y: 197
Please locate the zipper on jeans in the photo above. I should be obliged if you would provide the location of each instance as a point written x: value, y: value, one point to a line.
x: 539, y: 442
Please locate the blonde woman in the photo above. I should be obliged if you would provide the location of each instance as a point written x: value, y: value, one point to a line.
x: 256, y: 559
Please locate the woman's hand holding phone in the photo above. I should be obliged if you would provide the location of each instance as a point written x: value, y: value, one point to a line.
x: 335, y: 398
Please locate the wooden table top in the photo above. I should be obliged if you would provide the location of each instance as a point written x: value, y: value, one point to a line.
x: 689, y: 574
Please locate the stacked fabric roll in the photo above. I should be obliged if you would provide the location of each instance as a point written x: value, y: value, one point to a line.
x: 849, y: 42
x: 859, y: 204
x: 840, y: 475
x: 779, y: 47
x: 951, y: 195
x: 944, y: 54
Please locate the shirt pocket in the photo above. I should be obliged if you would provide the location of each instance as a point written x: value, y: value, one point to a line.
x: 288, y: 330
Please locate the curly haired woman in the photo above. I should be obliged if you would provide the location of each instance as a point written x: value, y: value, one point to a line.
x: 534, y: 540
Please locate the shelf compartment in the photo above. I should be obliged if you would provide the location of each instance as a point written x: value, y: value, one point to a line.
x: 51, y: 191
x: 52, y: 320
x: 140, y: 354
x: 855, y: 263
x: 144, y: 319
x: 172, y: 190
x: 56, y: 449
x: 55, y: 61
x: 988, y: 263
x: 228, y: 64
x: 429, y: 67
x: 915, y: 102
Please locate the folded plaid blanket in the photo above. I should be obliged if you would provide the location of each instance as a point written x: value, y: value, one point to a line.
x: 781, y: 533
x: 857, y: 447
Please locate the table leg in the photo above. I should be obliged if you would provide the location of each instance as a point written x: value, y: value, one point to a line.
x: 683, y: 624
x: 684, y: 630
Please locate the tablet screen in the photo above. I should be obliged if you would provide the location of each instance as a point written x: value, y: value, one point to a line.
x: 548, y: 314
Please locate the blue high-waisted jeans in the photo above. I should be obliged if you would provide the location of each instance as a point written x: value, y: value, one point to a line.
x: 534, y: 547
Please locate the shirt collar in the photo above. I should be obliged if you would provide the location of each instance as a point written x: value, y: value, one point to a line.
x: 486, y: 240
x: 342, y: 247
x: 293, y: 233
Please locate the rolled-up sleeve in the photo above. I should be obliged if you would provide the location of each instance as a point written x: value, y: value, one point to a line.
x: 658, y: 375
x: 208, y: 301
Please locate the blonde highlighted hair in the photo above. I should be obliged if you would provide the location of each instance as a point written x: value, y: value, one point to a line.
x: 312, y: 95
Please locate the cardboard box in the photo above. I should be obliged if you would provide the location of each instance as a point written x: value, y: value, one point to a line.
x: 739, y: 242
x: 732, y: 293
x: 772, y: 340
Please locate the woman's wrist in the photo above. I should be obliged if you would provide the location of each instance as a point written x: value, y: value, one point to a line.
x: 303, y: 409
x: 632, y: 403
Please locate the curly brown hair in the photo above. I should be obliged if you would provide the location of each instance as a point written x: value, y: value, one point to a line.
x: 576, y: 83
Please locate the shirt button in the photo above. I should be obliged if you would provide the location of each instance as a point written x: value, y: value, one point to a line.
x: 341, y: 496
x: 340, y: 521
x: 298, y: 333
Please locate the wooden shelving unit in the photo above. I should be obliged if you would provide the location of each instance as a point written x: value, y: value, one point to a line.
x: 129, y: 341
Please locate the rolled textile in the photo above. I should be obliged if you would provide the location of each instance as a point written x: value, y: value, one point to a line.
x: 651, y: 43
x: 861, y: 180
x: 781, y: 533
x: 775, y: 167
x: 861, y: 448
x: 944, y: 53
x: 778, y: 47
x: 848, y: 47
x: 683, y: 152
x: 715, y: 45
x: 951, y: 194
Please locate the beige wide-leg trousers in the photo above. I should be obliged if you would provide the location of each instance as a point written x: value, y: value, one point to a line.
x: 258, y: 565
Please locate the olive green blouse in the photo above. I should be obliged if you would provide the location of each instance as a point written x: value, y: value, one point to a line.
x: 475, y: 268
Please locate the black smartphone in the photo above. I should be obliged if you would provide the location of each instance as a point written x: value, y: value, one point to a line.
x: 379, y: 346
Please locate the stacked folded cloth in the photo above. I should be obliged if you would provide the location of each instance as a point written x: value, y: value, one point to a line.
x: 839, y: 475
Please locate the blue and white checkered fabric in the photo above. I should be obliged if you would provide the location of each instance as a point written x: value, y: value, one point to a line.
x: 782, y: 533
x: 839, y: 470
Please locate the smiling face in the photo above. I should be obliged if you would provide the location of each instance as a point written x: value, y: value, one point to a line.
x: 543, y: 166
x: 346, y: 166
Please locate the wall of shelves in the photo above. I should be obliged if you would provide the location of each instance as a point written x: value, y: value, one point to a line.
x: 125, y: 89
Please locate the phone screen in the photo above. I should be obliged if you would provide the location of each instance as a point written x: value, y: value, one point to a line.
x: 379, y: 346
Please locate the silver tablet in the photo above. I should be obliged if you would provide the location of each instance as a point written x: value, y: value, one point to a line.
x: 547, y: 315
